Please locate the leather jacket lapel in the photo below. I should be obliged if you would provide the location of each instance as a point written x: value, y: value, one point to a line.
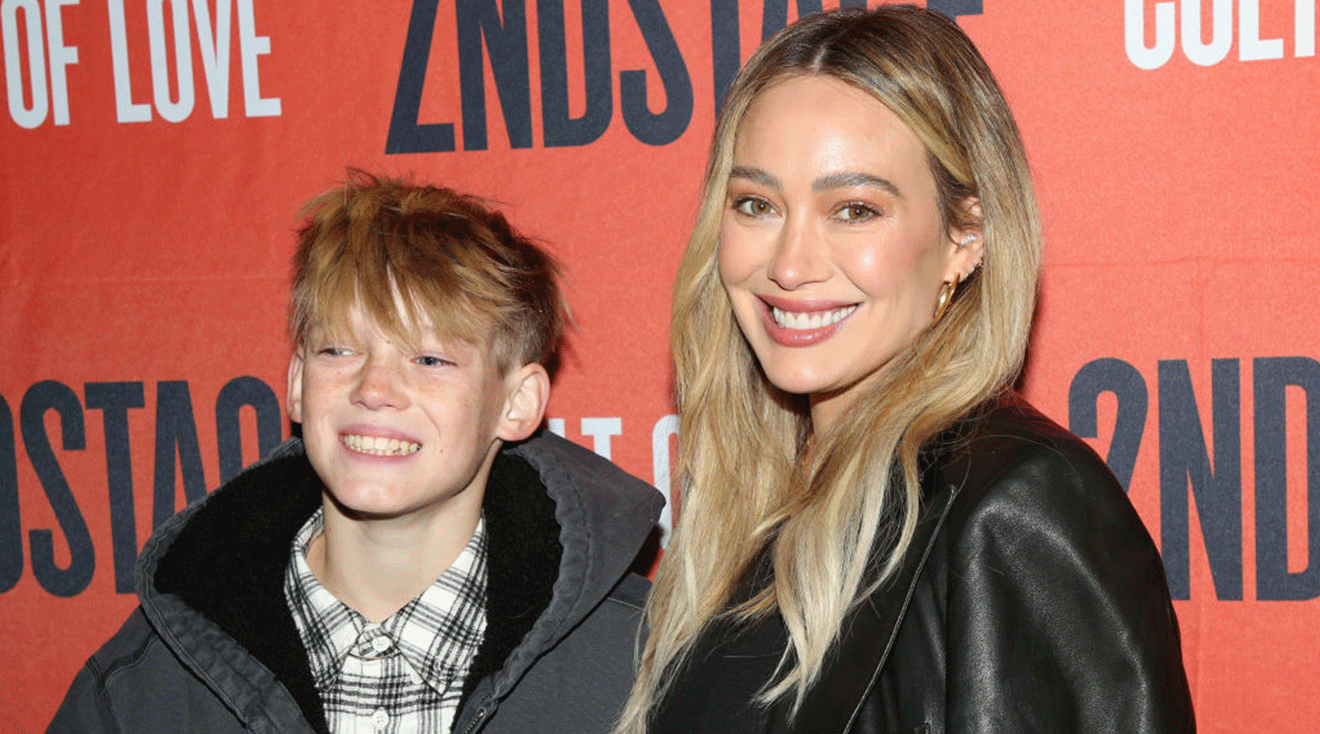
x: 853, y: 666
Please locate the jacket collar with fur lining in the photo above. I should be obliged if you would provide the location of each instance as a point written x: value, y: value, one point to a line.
x: 563, y: 526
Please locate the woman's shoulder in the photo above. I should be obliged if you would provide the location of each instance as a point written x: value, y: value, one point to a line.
x: 1008, y: 462
x: 1007, y: 436
x: 1039, y: 542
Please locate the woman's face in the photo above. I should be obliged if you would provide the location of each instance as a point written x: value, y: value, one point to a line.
x: 832, y: 247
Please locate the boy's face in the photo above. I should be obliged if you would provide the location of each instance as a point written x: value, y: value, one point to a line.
x: 394, y: 430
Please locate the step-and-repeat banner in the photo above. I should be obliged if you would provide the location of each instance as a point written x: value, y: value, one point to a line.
x: 156, y: 153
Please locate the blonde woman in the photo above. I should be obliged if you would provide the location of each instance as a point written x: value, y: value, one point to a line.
x: 876, y: 534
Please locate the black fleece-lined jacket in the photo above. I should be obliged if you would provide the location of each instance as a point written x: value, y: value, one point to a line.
x: 213, y: 648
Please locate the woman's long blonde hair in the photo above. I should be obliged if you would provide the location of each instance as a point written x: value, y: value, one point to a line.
x: 746, y: 478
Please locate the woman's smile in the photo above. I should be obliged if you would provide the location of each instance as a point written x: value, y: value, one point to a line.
x: 801, y: 323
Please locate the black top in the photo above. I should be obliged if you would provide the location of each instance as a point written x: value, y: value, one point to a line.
x: 729, y: 666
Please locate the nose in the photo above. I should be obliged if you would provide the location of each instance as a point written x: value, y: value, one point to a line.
x: 379, y: 385
x: 800, y: 256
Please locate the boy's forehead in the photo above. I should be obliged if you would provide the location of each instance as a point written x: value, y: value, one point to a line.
x: 418, y: 324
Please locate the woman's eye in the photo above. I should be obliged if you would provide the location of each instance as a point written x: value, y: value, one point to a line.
x: 856, y: 212
x: 752, y: 206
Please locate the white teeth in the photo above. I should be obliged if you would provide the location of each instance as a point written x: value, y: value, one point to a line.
x: 814, y: 320
x: 379, y: 446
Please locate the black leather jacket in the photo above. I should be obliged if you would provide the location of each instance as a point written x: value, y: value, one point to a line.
x: 1032, y: 600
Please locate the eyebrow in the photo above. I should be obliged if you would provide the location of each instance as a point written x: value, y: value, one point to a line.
x: 840, y: 180
x: 756, y: 176
x: 847, y: 179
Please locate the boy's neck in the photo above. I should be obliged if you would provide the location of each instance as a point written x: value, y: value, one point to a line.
x: 376, y: 566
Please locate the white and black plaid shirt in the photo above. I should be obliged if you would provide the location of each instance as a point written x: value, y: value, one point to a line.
x: 405, y: 674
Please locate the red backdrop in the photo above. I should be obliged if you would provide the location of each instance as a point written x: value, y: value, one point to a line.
x: 156, y: 153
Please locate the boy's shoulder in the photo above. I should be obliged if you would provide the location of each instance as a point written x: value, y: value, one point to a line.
x: 563, y: 465
x: 130, y: 645
x: 134, y: 682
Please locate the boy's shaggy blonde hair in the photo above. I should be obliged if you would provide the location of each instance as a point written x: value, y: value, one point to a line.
x: 445, y: 256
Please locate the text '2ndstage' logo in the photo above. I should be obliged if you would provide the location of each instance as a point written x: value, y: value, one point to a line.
x: 495, y: 32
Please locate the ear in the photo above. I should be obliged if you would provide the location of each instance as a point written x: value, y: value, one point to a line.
x: 295, y: 385
x: 966, y: 243
x: 528, y: 390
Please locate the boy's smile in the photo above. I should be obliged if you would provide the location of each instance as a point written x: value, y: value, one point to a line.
x: 364, y: 443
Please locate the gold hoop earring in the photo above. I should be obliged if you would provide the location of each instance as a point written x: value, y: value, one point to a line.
x: 946, y: 297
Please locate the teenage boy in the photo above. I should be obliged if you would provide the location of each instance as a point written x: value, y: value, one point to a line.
x: 422, y: 560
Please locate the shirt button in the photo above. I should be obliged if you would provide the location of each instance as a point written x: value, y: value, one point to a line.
x: 381, y: 644
x: 380, y: 719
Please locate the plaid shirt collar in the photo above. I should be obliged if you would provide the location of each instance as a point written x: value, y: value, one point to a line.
x: 437, y: 633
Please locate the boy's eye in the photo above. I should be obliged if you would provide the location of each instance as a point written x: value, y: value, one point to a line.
x: 856, y: 212
x: 430, y: 360
x: 334, y: 351
x: 753, y: 206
